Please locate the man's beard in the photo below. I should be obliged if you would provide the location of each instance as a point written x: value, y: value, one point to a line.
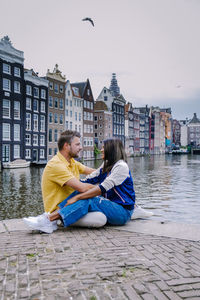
x: 73, y: 154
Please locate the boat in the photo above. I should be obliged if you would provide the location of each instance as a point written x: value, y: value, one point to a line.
x: 180, y: 151
x: 15, y: 164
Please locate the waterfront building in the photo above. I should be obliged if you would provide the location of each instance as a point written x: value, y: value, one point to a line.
x: 116, y: 104
x: 102, y: 123
x: 36, y: 112
x: 136, y: 131
x: 144, y: 128
x: 184, y: 132
x: 159, y: 131
x: 12, y: 119
x: 129, y: 129
x: 88, y: 117
x: 73, y: 108
x: 56, y: 108
x: 176, y: 128
x: 194, y: 131
x: 167, y: 117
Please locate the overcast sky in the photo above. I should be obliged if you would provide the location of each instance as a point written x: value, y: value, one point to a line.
x: 152, y: 45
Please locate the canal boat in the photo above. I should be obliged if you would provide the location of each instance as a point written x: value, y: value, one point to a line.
x: 15, y: 164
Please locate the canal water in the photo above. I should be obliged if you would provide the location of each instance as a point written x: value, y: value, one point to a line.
x: 168, y: 185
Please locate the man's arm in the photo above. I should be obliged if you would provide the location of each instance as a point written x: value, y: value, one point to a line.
x: 94, y: 191
x: 88, y: 170
x: 78, y: 185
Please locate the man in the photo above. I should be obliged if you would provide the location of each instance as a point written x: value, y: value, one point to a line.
x: 60, y: 178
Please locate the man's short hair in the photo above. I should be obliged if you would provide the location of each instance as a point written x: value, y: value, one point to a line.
x: 67, y: 137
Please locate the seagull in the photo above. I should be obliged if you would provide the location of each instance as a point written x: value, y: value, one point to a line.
x: 88, y: 19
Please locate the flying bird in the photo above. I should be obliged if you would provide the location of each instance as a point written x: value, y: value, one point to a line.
x: 88, y: 19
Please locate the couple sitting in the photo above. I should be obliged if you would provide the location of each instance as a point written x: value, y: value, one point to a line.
x: 105, y: 196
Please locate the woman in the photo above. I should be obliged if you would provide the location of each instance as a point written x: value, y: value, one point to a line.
x: 113, y: 193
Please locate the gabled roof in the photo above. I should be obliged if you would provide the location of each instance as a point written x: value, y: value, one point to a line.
x: 100, y: 105
x: 81, y: 86
x: 194, y: 120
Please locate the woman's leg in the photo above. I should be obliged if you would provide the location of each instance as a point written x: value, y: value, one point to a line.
x: 115, y: 213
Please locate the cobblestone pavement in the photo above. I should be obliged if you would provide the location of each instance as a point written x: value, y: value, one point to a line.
x: 94, y: 264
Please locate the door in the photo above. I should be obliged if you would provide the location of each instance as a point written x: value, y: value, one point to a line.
x: 6, y: 153
x: 35, y: 155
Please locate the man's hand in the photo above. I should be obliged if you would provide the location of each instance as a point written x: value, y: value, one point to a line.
x: 72, y: 200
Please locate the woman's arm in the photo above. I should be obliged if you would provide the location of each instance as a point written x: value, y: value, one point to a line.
x: 95, y: 191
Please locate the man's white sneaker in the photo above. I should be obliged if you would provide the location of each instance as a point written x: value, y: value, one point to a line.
x: 140, y: 213
x: 41, y: 223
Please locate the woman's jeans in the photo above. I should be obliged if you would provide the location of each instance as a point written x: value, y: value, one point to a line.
x: 115, y: 213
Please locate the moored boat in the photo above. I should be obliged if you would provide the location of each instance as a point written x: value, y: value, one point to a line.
x: 18, y: 163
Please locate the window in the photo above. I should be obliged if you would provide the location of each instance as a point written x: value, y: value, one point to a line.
x: 105, y: 98
x: 66, y: 112
x: 51, y: 85
x: 6, y: 69
x: 55, y: 135
x: 43, y: 94
x: 42, y: 106
x: 56, y: 102
x: 61, y: 103
x: 61, y: 119
x: 41, y: 153
x: 17, y: 87
x: 70, y: 113
x: 79, y: 117
x: 50, y: 151
x: 66, y: 102
x: 16, y: 151
x: 50, y: 135
x: 71, y: 103
x: 28, y: 103
x: 6, y: 108
x: 79, y: 128
x: 17, y: 72
x: 66, y: 125
x: 28, y: 139
x: 6, y: 132
x: 55, y: 118
x: 42, y: 123
x: 35, y: 105
x: 68, y: 93
x: 50, y: 101
x: 35, y: 122
x: 16, y: 110
x: 42, y: 140
x: 28, y: 153
x: 61, y: 88
x: 36, y: 92
x: 70, y: 126
x: 88, y: 92
x: 6, y: 84
x: 50, y: 117
x: 76, y: 116
x: 28, y: 121
x: 56, y: 88
x: 16, y: 132
x: 35, y: 140
x: 28, y: 90
x: 55, y: 151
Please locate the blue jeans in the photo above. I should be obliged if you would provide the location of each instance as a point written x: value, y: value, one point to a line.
x: 115, y: 213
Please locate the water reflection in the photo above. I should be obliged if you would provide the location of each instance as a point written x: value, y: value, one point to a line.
x: 168, y: 185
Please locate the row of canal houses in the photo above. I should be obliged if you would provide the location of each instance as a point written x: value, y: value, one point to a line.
x: 34, y: 111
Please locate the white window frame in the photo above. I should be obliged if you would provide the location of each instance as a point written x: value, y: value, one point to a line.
x: 28, y: 121
x: 28, y: 90
x: 28, y: 103
x: 42, y: 123
x: 6, y: 84
x: 6, y: 132
x: 16, y: 132
x: 35, y: 122
x: 36, y: 92
x: 17, y: 87
x: 6, y: 68
x: 35, y: 101
x: 17, y: 72
x: 6, y: 109
x: 28, y: 139
x: 35, y: 140
x: 16, y: 151
x: 17, y: 110
x: 42, y: 106
x: 43, y: 94
x: 28, y: 153
x: 42, y: 140
x: 42, y: 154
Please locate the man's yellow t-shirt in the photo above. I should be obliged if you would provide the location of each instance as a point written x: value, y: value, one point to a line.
x: 58, y: 171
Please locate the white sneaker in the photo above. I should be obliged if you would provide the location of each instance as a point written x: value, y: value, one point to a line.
x: 140, y: 213
x: 41, y: 223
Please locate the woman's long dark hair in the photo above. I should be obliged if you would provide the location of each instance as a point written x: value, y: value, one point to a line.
x: 113, y: 151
